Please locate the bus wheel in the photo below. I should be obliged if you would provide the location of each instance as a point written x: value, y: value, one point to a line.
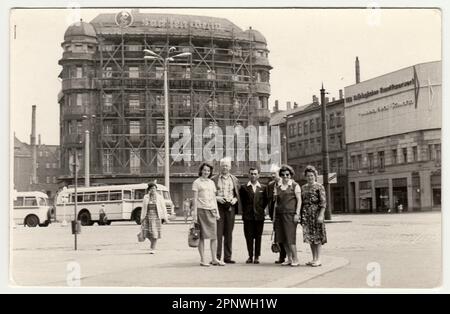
x: 31, y: 221
x: 85, y: 218
x: 137, y: 216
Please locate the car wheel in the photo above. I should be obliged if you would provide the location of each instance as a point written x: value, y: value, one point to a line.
x: 32, y: 221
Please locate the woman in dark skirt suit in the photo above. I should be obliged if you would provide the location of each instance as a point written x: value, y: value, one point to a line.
x: 287, y: 213
x: 313, y: 211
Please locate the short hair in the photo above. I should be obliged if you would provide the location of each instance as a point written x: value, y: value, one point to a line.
x: 311, y: 169
x: 284, y: 168
x: 151, y: 185
x: 226, y: 160
x: 205, y: 164
x: 253, y: 168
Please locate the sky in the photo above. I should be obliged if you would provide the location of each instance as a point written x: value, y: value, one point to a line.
x: 307, y: 47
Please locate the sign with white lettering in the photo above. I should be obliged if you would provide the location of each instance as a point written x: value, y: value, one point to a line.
x: 332, y: 178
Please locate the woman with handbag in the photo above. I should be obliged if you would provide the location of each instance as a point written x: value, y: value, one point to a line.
x: 206, y: 213
x: 313, y: 211
x: 153, y: 211
x: 287, y: 213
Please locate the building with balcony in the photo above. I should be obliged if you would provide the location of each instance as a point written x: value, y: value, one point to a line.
x: 110, y: 90
x: 393, y: 136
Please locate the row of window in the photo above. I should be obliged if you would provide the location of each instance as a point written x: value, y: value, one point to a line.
x: 397, y: 156
x: 48, y: 180
x: 184, y: 72
x: 314, y: 125
x: 314, y: 145
x: 187, y: 48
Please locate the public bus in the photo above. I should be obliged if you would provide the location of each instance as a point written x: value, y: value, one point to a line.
x: 116, y: 202
x: 31, y: 209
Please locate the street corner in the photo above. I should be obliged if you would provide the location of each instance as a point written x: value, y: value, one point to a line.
x: 295, y: 276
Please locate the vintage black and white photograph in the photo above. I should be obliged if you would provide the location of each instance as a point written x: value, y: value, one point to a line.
x: 287, y: 147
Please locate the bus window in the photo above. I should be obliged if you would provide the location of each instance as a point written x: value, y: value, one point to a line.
x: 42, y: 201
x: 115, y: 195
x: 102, y: 196
x: 126, y: 195
x: 89, y: 197
x: 18, y: 201
x: 79, y: 197
x: 30, y: 201
x: 139, y: 194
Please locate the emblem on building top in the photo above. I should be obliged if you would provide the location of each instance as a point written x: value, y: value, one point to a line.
x: 124, y: 19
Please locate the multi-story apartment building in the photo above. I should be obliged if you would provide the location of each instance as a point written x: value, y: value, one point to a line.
x: 109, y: 89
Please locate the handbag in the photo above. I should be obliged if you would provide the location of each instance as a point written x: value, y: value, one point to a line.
x: 140, y: 236
x: 275, y: 247
x: 194, y: 235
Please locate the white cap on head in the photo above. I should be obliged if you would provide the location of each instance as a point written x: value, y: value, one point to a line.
x: 225, y: 160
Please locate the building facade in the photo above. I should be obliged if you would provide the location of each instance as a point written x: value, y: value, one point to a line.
x: 47, y: 164
x: 304, y: 146
x: 393, y: 137
x: 110, y: 90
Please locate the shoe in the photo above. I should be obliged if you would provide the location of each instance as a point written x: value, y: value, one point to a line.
x: 280, y: 261
x: 309, y: 263
x: 316, y: 264
x: 256, y: 261
x: 218, y: 263
x: 204, y: 264
x: 229, y: 261
x: 249, y: 260
x: 295, y: 264
x: 152, y: 251
x: 286, y: 263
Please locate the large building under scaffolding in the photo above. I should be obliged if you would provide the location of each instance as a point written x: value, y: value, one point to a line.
x: 110, y: 90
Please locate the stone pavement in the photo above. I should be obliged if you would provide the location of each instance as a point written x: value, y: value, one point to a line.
x: 111, y: 256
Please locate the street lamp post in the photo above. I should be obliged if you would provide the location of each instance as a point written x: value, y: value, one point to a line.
x: 150, y: 55
x: 325, y: 157
x: 87, y: 151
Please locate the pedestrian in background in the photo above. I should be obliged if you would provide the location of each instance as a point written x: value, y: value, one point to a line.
x: 313, y: 211
x: 206, y: 213
x: 271, y: 187
x: 254, y: 202
x: 152, y: 213
x: 229, y: 204
x: 287, y: 213
x: 187, y: 209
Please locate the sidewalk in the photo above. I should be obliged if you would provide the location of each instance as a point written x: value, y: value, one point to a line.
x: 110, y: 256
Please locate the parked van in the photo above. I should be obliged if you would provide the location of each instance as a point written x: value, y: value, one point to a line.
x: 31, y: 209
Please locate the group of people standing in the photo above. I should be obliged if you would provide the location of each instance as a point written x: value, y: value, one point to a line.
x: 218, y: 198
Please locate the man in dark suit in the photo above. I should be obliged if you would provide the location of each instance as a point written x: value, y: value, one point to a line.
x: 270, y: 192
x: 254, y: 202
x: 229, y: 204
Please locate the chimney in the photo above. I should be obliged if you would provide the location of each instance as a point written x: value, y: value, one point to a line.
x: 357, y: 70
x: 295, y: 105
x: 315, y: 99
x: 288, y: 105
x: 333, y: 99
x: 33, y: 145
x: 341, y: 94
x: 327, y: 100
x: 275, y: 107
x: 39, y: 140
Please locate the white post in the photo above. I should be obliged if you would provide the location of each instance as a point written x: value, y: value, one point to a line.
x: 166, y: 127
x: 86, y: 159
